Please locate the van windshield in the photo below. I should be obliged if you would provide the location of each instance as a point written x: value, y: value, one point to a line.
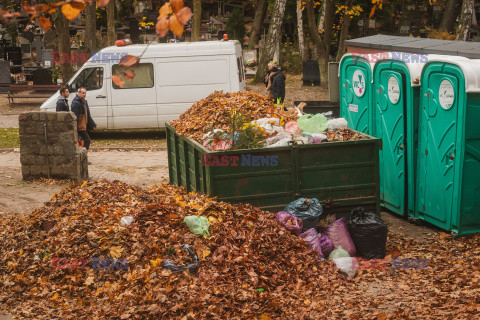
x: 89, y: 78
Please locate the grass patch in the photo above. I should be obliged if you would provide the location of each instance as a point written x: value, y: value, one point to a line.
x: 9, y: 138
x: 147, y: 138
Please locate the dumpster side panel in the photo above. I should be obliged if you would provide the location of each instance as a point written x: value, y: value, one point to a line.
x: 470, y: 210
x: 263, y: 178
x: 341, y: 175
x: 172, y: 145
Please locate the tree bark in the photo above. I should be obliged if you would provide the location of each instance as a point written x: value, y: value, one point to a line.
x: 260, y: 13
x: 273, y: 38
x: 322, y: 45
x: 344, y: 33
x: 197, y: 19
x: 465, y: 19
x: 301, y: 40
x: 111, y: 37
x: 449, y: 16
x: 63, y: 40
x: 91, y: 27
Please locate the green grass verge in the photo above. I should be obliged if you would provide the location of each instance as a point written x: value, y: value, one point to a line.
x: 9, y: 138
x: 102, y: 139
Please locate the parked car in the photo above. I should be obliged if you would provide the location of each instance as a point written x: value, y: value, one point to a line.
x: 168, y: 80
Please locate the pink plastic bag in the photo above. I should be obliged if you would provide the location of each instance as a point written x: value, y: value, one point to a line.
x: 338, y: 233
x: 292, y: 127
x: 311, y: 237
x: 289, y: 222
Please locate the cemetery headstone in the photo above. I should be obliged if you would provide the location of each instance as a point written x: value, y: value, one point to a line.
x: 4, y: 76
x: 47, y: 58
x: 26, y: 51
x: 42, y: 76
x: 38, y: 45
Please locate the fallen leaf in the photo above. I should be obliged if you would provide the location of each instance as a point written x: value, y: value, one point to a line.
x: 89, y: 281
x: 175, y: 26
x: 165, y: 10
x: 129, y: 60
x: 118, y: 81
x: 129, y: 74
x: 184, y: 15
x: 116, y: 251
x: 44, y: 23
x: 162, y: 27
x: 72, y: 10
x: 176, y: 5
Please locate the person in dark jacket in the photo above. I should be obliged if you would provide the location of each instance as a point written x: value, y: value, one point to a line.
x: 62, y: 102
x: 84, y: 118
x: 278, y: 87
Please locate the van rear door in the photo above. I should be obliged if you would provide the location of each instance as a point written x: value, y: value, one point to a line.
x: 134, y: 105
x: 242, y: 85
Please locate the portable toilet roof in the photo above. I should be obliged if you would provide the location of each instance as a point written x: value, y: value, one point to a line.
x: 382, y: 42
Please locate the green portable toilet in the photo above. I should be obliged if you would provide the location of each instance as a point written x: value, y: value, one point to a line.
x: 395, y: 117
x: 355, y: 76
x: 448, y: 158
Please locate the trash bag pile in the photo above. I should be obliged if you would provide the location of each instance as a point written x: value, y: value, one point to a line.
x: 189, y: 257
x: 210, y: 122
x: 214, y: 112
x: 363, y: 235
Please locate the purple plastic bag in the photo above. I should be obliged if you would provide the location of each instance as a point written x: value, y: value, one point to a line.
x: 338, y: 233
x: 311, y: 237
x: 326, y: 244
x: 285, y: 220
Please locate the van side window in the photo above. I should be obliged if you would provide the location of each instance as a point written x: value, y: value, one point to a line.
x: 90, y: 78
x: 143, y: 76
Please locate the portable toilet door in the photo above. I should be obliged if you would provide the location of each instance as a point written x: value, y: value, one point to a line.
x: 355, y: 76
x: 448, y: 158
x: 395, y: 100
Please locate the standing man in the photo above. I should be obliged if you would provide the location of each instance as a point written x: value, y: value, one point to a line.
x: 84, y: 119
x: 278, y: 88
x: 62, y: 102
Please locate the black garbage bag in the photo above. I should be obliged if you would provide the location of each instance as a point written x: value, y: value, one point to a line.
x: 307, y: 210
x: 369, y: 233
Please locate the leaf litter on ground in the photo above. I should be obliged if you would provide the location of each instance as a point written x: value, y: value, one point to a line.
x: 249, y: 266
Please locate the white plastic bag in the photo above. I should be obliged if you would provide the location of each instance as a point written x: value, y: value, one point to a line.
x: 126, y: 221
x: 269, y: 124
x: 338, y: 123
x: 347, y: 266
x: 316, y: 138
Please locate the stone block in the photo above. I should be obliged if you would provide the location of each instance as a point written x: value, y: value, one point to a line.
x: 51, y: 116
x: 35, y: 116
x: 24, y: 117
x: 40, y: 160
x: 57, y: 150
x: 26, y: 171
x: 43, y: 115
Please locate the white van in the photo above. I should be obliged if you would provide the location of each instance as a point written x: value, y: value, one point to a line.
x: 168, y: 80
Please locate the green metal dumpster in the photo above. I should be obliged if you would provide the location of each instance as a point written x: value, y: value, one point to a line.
x: 355, y: 74
x: 342, y: 175
x: 448, y: 158
x: 395, y: 117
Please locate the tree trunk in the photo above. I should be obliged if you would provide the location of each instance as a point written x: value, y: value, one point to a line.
x: 321, y: 19
x: 63, y: 40
x: 449, y: 16
x: 260, y: 14
x: 343, y: 33
x: 301, y: 40
x: 197, y: 19
x: 273, y: 38
x: 465, y: 19
x: 91, y: 27
x: 111, y: 38
x: 322, y: 45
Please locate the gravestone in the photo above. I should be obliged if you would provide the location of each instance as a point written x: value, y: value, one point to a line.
x: 42, y: 76
x: 47, y: 58
x: 134, y: 30
x: 311, y: 73
x: 4, y: 76
x: 38, y: 45
x: 26, y: 51
x: 14, y: 55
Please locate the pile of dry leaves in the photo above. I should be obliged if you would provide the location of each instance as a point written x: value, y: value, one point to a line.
x: 214, y: 111
x: 249, y: 267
